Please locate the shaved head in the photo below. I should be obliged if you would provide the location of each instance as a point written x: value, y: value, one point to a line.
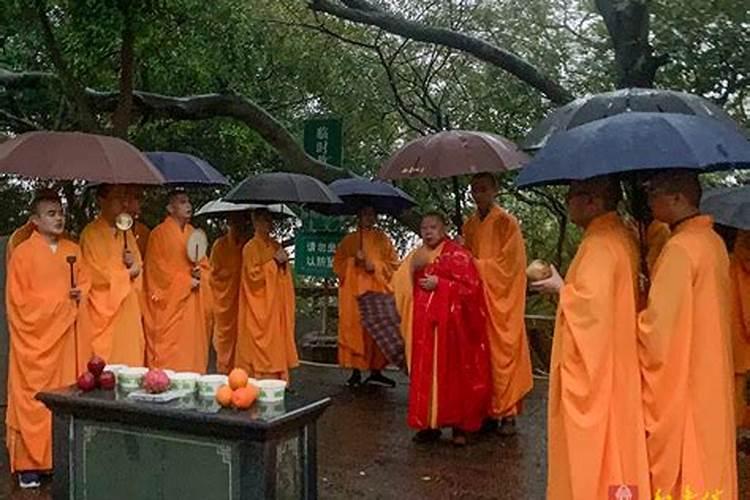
x: 590, y: 198
x: 684, y: 182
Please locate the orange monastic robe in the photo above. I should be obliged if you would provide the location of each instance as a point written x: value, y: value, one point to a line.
x: 740, y: 276
x: 17, y: 237
x: 498, y: 249
x: 141, y: 232
x: 686, y: 365
x: 595, y: 417
x: 113, y: 304
x: 356, y: 348
x: 265, y: 342
x: 657, y: 235
x: 226, y: 269
x: 174, y: 314
x: 43, y: 335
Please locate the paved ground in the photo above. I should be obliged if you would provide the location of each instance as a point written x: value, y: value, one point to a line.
x: 365, y: 451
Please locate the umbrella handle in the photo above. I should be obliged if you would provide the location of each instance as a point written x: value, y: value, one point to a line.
x: 125, y: 239
x: 457, y: 218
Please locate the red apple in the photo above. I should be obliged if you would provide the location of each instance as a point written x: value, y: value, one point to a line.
x: 86, y: 382
x: 96, y: 365
x: 107, y: 381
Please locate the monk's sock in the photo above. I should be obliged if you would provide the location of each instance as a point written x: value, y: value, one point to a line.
x: 489, y: 425
x: 355, y: 380
x: 427, y: 436
x: 459, y: 437
x: 379, y: 378
x: 507, y: 426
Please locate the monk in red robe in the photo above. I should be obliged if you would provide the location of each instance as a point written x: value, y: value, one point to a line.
x: 45, y: 339
x: 596, y: 437
x: 685, y: 347
x: 448, y: 350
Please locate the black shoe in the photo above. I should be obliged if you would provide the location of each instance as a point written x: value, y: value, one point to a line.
x: 427, y: 436
x: 743, y: 446
x: 489, y: 425
x: 459, y: 438
x: 27, y: 480
x: 355, y: 380
x: 507, y: 426
x: 378, y: 378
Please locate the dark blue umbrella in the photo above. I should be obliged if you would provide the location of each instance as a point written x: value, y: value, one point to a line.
x: 357, y: 193
x: 637, y: 141
x: 184, y: 169
x: 728, y: 206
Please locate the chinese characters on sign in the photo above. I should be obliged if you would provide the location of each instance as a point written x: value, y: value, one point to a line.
x: 313, y: 253
x: 323, y: 140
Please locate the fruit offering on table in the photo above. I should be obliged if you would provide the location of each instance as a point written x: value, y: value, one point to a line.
x: 96, y: 376
x: 156, y: 381
x: 238, y: 394
x: 538, y: 270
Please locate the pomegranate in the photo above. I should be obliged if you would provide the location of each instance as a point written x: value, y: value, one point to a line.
x: 86, y: 382
x: 96, y: 365
x: 156, y: 381
x: 107, y: 381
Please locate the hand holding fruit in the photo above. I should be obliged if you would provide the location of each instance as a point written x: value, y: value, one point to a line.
x: 549, y: 285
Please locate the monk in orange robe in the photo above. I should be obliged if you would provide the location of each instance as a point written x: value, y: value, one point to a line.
x: 364, y: 262
x: 114, y: 261
x: 740, y: 276
x: 226, y: 270
x: 265, y: 340
x: 43, y: 309
x: 21, y: 234
x: 174, y: 309
x: 438, y: 293
x: 685, y: 343
x: 494, y: 238
x: 595, y: 427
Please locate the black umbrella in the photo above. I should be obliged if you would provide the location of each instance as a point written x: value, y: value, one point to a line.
x: 281, y: 187
x: 358, y: 193
x: 598, y: 106
x: 184, y: 169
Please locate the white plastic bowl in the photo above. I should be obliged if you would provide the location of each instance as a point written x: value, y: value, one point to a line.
x: 185, y: 381
x: 131, y: 377
x: 115, y: 369
x: 271, y: 390
x: 207, y: 384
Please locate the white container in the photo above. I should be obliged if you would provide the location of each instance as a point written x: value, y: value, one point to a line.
x: 185, y: 381
x: 131, y: 378
x: 207, y: 385
x: 271, y: 390
x: 115, y: 369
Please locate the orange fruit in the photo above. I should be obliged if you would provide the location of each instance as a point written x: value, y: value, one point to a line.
x: 238, y: 378
x: 224, y: 396
x: 244, y: 397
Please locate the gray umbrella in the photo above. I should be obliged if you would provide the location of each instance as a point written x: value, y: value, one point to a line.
x: 595, y: 107
x: 728, y: 206
x: 281, y: 187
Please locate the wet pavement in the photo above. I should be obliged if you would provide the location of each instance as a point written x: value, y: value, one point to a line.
x: 365, y: 450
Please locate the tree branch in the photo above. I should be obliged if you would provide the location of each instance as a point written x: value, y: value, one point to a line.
x: 362, y: 12
x: 20, y: 124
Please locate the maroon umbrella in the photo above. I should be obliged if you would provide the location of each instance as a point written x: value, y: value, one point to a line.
x: 75, y: 155
x: 451, y: 153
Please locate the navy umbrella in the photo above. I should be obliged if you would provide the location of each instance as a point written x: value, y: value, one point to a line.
x: 184, y: 169
x: 637, y: 141
x: 598, y: 106
x: 358, y: 193
x: 728, y: 206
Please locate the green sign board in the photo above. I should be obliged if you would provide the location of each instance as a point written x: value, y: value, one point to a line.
x: 324, y: 140
x: 313, y: 253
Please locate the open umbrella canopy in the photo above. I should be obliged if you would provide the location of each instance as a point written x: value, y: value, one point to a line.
x: 598, y: 106
x: 75, y: 155
x: 637, y: 141
x: 728, y: 206
x: 185, y: 169
x: 357, y: 193
x: 281, y: 187
x: 452, y: 153
x: 220, y: 208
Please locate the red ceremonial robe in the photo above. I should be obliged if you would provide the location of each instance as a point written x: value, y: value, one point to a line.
x: 449, y: 346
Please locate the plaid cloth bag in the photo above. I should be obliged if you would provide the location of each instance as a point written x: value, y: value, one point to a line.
x: 380, y: 319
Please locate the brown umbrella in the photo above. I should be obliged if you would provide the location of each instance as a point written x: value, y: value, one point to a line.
x: 452, y: 153
x: 75, y: 155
